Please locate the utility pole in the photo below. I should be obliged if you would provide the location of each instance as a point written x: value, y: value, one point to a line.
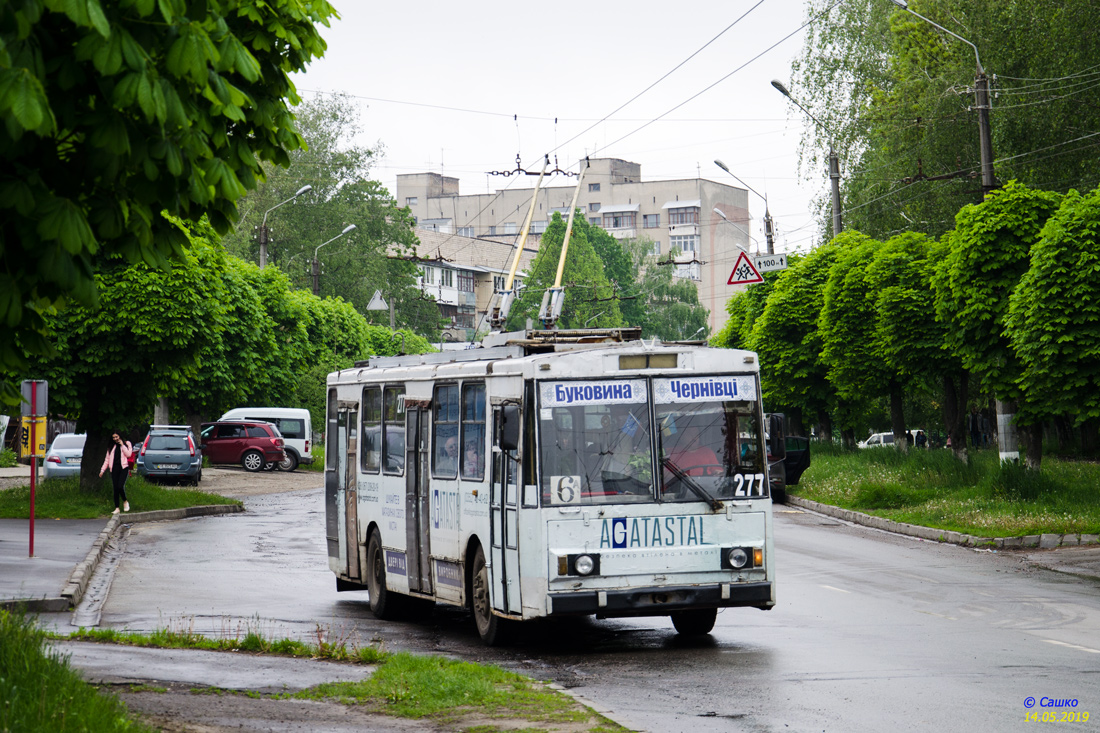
x: 981, y: 92
x: 834, y: 177
x: 316, y: 272
x: 263, y: 224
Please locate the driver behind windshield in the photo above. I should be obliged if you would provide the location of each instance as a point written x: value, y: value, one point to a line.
x: 689, y: 454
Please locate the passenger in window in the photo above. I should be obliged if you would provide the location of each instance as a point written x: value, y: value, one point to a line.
x: 448, y: 457
x: 473, y: 466
x: 690, y: 455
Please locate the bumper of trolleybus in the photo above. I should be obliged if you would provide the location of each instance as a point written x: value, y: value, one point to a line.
x: 661, y: 601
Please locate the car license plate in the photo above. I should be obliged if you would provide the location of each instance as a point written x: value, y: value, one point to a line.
x: 72, y: 460
x: 166, y: 466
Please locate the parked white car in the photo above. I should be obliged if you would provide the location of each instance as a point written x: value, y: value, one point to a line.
x: 293, y: 423
x: 63, y: 457
x: 879, y: 440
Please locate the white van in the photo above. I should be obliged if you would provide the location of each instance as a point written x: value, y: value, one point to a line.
x: 293, y: 423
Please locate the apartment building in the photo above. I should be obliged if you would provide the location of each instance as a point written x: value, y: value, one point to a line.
x: 462, y: 273
x: 673, y: 214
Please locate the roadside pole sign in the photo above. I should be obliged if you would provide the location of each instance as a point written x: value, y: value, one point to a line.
x: 744, y: 272
x: 770, y: 263
x: 35, y: 394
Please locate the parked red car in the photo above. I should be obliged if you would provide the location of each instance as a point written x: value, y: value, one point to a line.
x: 251, y: 443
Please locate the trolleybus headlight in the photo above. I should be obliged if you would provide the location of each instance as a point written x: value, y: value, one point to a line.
x: 738, y: 558
x: 584, y: 565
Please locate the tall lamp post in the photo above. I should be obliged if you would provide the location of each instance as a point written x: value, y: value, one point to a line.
x: 263, y: 224
x: 316, y: 269
x: 834, y: 161
x: 981, y: 94
x: 769, y: 226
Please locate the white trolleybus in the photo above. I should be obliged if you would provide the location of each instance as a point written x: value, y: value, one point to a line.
x: 552, y: 473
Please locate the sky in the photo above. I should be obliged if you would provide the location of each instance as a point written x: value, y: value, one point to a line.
x: 462, y: 88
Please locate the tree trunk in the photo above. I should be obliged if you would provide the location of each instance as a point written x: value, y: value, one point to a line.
x: 1007, y: 438
x: 954, y: 412
x: 897, y: 418
x: 795, y: 425
x: 1033, y: 445
x: 826, y: 422
x: 1090, y: 436
x: 848, y: 438
x: 1063, y: 428
x: 91, y: 460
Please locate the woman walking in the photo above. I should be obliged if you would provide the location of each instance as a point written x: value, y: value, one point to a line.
x: 118, y: 463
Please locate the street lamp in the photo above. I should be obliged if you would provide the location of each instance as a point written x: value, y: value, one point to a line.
x: 981, y: 94
x: 769, y: 227
x: 834, y: 161
x: 263, y: 225
x: 317, y: 265
x: 738, y: 225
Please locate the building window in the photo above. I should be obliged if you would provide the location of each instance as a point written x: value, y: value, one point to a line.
x: 684, y: 215
x: 538, y: 227
x: 689, y: 271
x: 492, y: 231
x: 445, y: 432
x: 466, y: 281
x: 594, y: 206
x: 473, y: 431
x: 593, y: 188
x: 465, y: 231
x: 511, y: 227
x: 684, y: 242
x: 656, y: 248
x: 651, y: 221
x: 428, y: 278
x: 370, y: 441
x: 410, y: 201
x: 498, y: 282
x: 447, y: 278
x: 620, y: 220
x: 595, y: 221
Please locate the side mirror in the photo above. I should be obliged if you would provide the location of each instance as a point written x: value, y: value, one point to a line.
x: 509, y: 427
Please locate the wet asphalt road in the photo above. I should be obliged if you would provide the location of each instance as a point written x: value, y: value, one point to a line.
x: 872, y: 632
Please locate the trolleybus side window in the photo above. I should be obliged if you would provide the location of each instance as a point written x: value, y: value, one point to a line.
x: 371, y: 442
x: 473, y: 431
x: 331, y: 448
x: 445, y: 437
x: 393, y: 430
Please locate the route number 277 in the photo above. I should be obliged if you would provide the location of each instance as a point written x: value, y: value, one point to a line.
x: 748, y: 484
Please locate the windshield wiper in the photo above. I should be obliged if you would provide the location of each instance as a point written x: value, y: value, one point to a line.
x: 691, y: 484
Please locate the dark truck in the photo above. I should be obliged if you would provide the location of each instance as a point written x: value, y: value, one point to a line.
x: 788, y: 456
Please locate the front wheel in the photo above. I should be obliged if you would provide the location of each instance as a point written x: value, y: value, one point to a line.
x: 695, y: 623
x: 253, y: 461
x: 492, y: 629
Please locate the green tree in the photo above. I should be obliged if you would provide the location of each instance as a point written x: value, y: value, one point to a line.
x: 1053, y: 320
x: 788, y: 342
x: 857, y: 363
x: 987, y: 253
x: 590, y: 300
x: 116, y: 112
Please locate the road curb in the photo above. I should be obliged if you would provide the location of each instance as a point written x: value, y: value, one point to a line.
x: 73, y: 592
x: 1045, y: 541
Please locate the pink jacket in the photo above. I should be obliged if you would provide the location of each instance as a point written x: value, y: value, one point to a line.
x: 127, y: 451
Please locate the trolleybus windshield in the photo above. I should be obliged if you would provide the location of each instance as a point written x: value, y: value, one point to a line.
x: 598, y: 440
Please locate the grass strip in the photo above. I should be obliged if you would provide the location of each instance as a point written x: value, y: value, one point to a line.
x: 932, y: 488
x: 62, y: 498
x: 448, y: 691
x: 40, y: 692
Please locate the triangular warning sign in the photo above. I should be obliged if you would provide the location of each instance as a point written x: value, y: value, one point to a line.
x: 744, y: 272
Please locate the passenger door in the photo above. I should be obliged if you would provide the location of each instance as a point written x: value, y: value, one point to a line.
x: 417, y: 509
x: 504, y: 511
x: 350, y: 416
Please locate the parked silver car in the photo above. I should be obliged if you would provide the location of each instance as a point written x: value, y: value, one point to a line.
x: 63, y: 457
x: 169, y: 452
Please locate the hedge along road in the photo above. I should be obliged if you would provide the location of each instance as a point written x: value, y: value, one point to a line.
x: 872, y: 630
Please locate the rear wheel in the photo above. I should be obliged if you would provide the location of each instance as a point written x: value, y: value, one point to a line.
x: 695, y: 623
x: 253, y: 461
x: 492, y: 629
x: 290, y: 462
x: 382, y: 602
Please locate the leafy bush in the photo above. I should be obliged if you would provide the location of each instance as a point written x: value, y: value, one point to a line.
x: 7, y: 458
